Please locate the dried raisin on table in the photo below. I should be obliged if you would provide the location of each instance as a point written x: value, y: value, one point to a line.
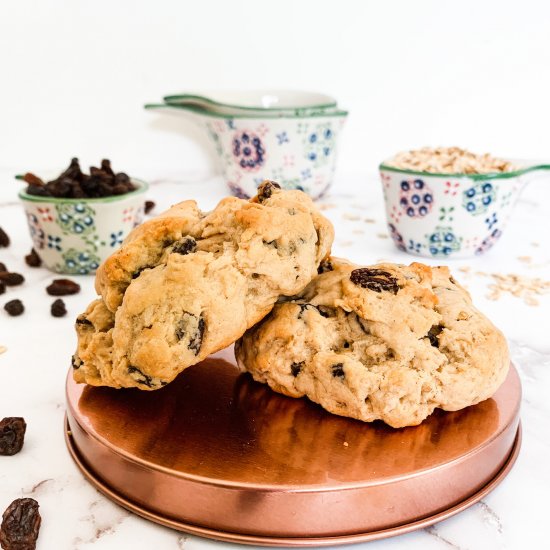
x: 62, y: 287
x: 4, y: 239
x: 11, y: 279
x: 149, y: 205
x: 14, y: 307
x: 58, y: 308
x: 12, y: 435
x: 20, y: 525
x: 33, y: 259
x: 374, y: 279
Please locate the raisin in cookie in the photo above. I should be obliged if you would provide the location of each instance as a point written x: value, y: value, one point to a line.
x: 187, y: 284
x: 386, y: 342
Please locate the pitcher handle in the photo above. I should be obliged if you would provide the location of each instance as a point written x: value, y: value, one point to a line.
x: 535, y: 168
x: 191, y: 108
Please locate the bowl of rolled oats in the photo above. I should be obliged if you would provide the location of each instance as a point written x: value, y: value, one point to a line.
x: 449, y: 202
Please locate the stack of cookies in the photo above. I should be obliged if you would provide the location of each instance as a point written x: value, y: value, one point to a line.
x: 386, y: 342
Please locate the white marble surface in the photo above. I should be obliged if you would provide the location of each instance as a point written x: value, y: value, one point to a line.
x: 34, y: 366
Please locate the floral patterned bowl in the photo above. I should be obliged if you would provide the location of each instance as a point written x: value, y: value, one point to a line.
x: 296, y: 150
x: 449, y: 215
x: 75, y: 235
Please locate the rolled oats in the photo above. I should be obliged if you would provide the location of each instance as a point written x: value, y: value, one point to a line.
x: 449, y: 160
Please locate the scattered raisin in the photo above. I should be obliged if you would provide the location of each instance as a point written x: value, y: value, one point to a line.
x: 265, y: 190
x: 2, y: 287
x: 4, y: 239
x: 149, y: 205
x: 11, y: 279
x: 3, y: 267
x: 12, y: 435
x: 433, y: 334
x: 75, y: 363
x: 296, y: 368
x: 62, y: 287
x: 14, y: 307
x: 20, y: 525
x: 346, y: 345
x: 58, y: 308
x: 185, y: 246
x: 338, y: 370
x: 33, y: 259
x: 374, y: 279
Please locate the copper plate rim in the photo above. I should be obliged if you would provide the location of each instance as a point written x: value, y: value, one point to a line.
x: 291, y: 542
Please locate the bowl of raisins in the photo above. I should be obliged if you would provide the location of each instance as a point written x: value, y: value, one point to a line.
x: 77, y: 220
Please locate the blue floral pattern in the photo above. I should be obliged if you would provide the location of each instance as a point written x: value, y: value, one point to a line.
x: 80, y: 263
x: 37, y: 233
x: 477, y: 199
x: 117, y: 238
x: 492, y: 220
x: 248, y: 150
x: 397, y: 237
x: 416, y: 198
x: 443, y: 242
x: 489, y: 241
x: 282, y: 138
x: 319, y: 144
x: 76, y: 218
x: 415, y: 247
x: 238, y: 191
x: 54, y: 242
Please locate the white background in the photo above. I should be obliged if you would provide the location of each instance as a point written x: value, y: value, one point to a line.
x: 75, y: 74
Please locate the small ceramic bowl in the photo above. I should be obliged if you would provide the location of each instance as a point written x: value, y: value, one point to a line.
x: 298, y: 151
x: 75, y: 235
x: 449, y: 215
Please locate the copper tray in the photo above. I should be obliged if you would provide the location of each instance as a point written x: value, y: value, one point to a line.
x: 218, y: 455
